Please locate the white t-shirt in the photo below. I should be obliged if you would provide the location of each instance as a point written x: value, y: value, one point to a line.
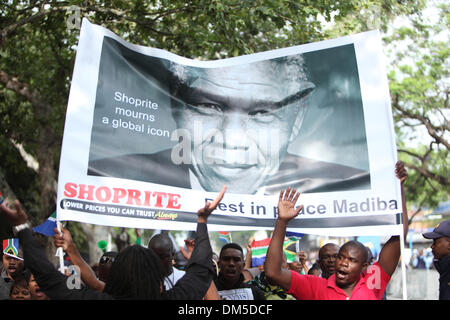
x: 172, y: 278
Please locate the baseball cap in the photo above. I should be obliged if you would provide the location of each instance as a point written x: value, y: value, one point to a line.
x: 442, y: 230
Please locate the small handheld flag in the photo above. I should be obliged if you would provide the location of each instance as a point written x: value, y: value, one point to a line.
x: 47, y: 227
x: 1, y: 198
x: 225, y: 236
x: 294, y: 235
x: 289, y: 249
x: 259, y: 251
x: 11, y: 248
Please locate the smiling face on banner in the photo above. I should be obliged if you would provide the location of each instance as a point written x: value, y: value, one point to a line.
x: 160, y: 131
x: 240, y: 119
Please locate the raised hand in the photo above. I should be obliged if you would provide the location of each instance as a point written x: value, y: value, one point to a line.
x: 209, y: 207
x: 249, y: 244
x: 400, y: 171
x: 302, y: 257
x: 286, y: 205
x: 16, y: 217
x: 190, y: 243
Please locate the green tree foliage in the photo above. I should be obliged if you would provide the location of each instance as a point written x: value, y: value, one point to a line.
x: 419, y: 86
x: 38, y: 49
x: 37, y: 52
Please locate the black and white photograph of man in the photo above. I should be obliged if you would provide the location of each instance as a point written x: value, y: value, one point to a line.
x: 237, y: 124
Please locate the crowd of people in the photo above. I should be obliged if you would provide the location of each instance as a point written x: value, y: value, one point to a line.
x: 138, y: 272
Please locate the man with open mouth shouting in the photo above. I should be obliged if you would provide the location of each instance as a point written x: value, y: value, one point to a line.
x: 11, y: 270
x: 354, y: 279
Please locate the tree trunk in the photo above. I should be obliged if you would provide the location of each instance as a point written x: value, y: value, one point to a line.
x: 8, y: 195
x: 94, y: 234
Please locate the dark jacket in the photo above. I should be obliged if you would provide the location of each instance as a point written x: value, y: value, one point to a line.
x: 443, y: 267
x: 258, y: 294
x: 5, y: 284
x: 193, y: 286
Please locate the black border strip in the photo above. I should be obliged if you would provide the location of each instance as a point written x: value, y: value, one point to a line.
x: 191, y: 217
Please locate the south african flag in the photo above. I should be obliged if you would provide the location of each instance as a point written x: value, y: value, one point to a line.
x: 259, y: 251
x: 11, y: 247
x: 225, y: 236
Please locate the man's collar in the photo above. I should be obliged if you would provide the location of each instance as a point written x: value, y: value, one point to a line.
x: 331, y: 283
x: 237, y: 284
x: 442, y: 265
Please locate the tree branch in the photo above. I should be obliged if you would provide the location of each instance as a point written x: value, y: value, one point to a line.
x: 432, y: 130
x: 41, y: 109
x: 411, y: 154
x: 445, y: 181
x: 11, y: 29
x: 431, y: 185
x: 123, y: 15
x: 23, y: 89
x: 411, y: 218
x: 163, y: 13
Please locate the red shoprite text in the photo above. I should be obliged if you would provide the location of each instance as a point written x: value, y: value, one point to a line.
x: 122, y: 196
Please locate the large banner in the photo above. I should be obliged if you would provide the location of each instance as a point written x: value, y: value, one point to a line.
x: 150, y: 136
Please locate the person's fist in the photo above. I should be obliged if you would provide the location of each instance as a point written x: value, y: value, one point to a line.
x: 17, y: 216
x: 62, y: 240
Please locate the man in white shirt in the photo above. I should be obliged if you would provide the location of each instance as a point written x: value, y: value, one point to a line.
x: 162, y: 245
